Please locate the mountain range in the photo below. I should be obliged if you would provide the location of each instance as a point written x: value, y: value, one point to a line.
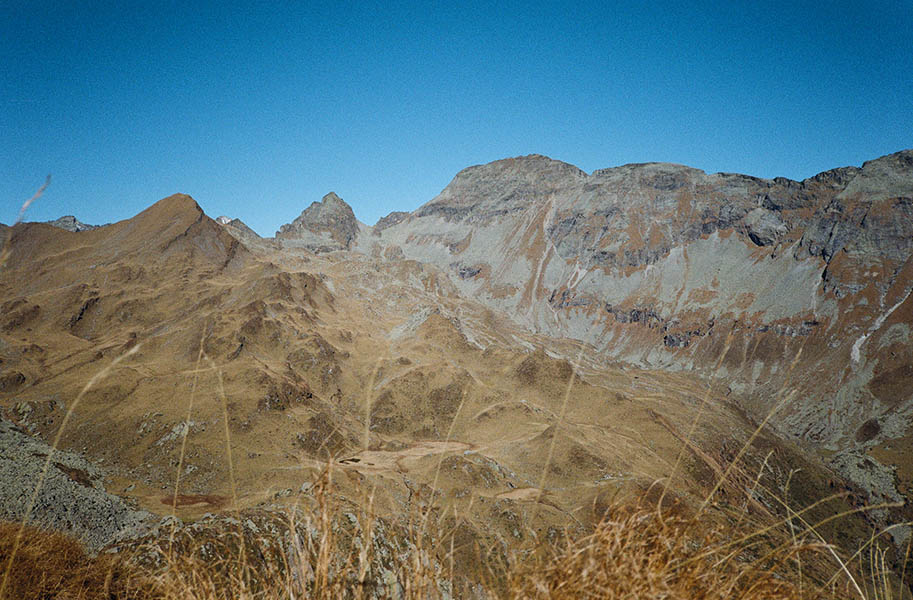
x: 527, y: 345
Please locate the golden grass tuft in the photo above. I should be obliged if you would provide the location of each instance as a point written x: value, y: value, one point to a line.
x: 645, y: 555
x: 52, y: 566
x: 636, y: 552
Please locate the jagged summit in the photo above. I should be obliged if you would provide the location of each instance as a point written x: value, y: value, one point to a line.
x: 332, y: 199
x: 237, y: 226
x: 71, y: 223
x: 323, y: 226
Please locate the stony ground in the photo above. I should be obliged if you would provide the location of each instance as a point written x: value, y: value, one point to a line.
x: 70, y: 496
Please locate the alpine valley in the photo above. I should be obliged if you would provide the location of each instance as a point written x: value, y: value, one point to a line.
x: 529, y: 347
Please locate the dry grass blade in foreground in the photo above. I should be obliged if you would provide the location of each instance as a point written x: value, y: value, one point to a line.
x: 644, y: 555
x: 5, y: 252
x: 324, y: 551
x: 52, y: 566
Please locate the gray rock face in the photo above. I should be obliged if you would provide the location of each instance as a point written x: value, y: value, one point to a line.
x: 484, y: 192
x: 238, y: 227
x: 764, y: 226
x: 71, y: 223
x: 658, y: 264
x: 393, y: 218
x: 548, y: 244
x: 636, y: 215
x: 72, y: 497
x: 324, y: 226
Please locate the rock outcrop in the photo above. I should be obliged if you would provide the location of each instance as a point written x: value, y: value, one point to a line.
x: 238, y: 227
x: 324, y: 226
x: 71, y: 223
x: 71, y: 497
x: 391, y: 219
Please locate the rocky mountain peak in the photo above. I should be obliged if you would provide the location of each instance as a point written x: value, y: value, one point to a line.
x: 500, y: 187
x: 900, y: 162
x: 173, y: 208
x: 887, y: 177
x: 71, y: 223
x: 533, y: 168
x: 323, y: 226
x: 238, y: 227
x: 332, y: 199
x: 665, y: 177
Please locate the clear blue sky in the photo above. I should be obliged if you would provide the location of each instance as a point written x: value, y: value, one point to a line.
x: 256, y: 111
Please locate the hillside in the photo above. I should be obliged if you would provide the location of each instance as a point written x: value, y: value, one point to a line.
x: 516, y: 355
x: 656, y: 264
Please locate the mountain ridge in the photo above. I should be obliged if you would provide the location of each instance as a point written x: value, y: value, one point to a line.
x: 647, y: 261
x: 838, y: 173
x: 622, y: 298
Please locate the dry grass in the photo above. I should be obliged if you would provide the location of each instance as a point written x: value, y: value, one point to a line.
x: 329, y: 549
x: 327, y: 552
x: 641, y: 554
x: 50, y: 565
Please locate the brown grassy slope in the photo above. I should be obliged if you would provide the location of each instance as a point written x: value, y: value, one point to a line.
x: 484, y: 429
x: 51, y: 566
x: 167, y: 280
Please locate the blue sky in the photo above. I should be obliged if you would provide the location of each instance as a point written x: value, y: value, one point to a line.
x: 258, y: 109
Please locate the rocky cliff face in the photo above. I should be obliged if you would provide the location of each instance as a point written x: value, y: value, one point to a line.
x: 681, y: 246
x: 565, y: 233
x: 780, y: 287
x: 391, y: 219
x: 324, y: 226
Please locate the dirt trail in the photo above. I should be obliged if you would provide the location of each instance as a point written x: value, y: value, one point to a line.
x: 530, y: 493
x: 379, y: 461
